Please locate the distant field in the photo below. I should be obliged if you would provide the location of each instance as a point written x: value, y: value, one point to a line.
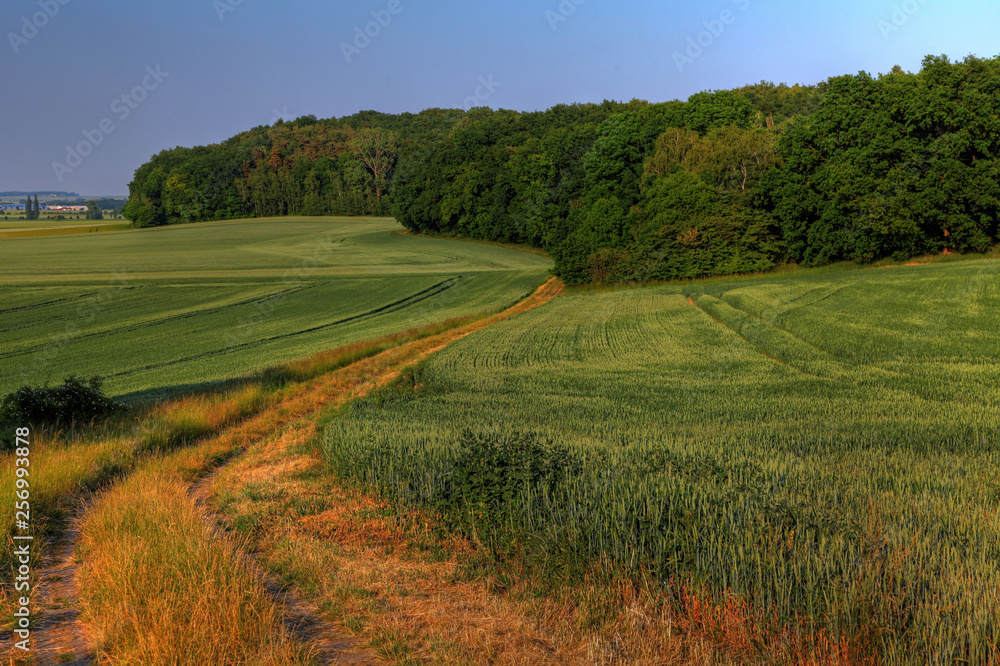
x: 823, y: 447
x: 59, y: 228
x: 50, y: 218
x: 156, y: 310
x: 49, y: 222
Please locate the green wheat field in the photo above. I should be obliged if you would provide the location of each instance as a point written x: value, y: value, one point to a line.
x: 821, y: 445
x: 161, y: 310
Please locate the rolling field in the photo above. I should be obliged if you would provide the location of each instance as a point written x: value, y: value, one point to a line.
x: 796, y: 468
x: 160, y: 310
x: 816, y: 454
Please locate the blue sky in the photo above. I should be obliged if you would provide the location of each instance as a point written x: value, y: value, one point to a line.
x: 196, y: 72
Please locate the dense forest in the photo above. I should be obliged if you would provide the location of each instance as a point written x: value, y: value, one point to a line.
x: 731, y: 181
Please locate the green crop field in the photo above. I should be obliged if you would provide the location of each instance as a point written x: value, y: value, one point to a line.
x: 822, y: 446
x: 10, y: 230
x: 49, y: 222
x: 157, y: 310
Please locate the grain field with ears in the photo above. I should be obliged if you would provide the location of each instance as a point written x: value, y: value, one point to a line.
x: 805, y: 464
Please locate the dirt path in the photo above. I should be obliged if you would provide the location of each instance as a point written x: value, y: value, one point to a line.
x: 413, y: 608
x: 60, y: 637
x: 61, y: 632
x: 302, y: 619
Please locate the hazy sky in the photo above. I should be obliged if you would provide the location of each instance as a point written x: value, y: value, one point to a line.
x: 195, y: 72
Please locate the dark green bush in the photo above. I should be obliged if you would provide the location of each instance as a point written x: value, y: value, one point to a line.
x: 492, y: 473
x: 77, y: 400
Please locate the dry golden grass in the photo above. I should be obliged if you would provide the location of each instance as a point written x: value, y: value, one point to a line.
x: 60, y: 472
x: 65, y: 467
x: 330, y: 361
x: 183, y: 420
x: 160, y: 587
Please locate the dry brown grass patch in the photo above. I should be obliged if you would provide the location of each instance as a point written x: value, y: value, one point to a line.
x: 412, y: 606
x: 352, y: 522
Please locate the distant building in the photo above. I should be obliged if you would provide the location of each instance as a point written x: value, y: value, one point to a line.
x: 21, y: 207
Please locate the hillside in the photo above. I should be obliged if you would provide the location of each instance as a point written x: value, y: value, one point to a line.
x: 790, y: 468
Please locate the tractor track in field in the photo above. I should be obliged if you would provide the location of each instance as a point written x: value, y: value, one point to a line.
x: 61, y: 637
x: 388, y: 308
x: 737, y: 333
x: 384, y: 309
x: 137, y: 325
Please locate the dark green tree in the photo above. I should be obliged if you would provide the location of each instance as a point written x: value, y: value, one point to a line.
x: 894, y: 166
x: 93, y: 211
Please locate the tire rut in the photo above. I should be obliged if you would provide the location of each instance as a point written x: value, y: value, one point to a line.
x: 302, y: 619
x: 60, y: 635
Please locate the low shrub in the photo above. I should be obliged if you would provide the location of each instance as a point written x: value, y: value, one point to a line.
x: 77, y: 400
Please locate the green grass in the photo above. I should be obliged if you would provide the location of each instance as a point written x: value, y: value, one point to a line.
x: 822, y: 446
x: 165, y: 310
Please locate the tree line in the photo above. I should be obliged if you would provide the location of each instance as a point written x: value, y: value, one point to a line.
x: 301, y: 167
x: 858, y: 168
x: 95, y: 208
